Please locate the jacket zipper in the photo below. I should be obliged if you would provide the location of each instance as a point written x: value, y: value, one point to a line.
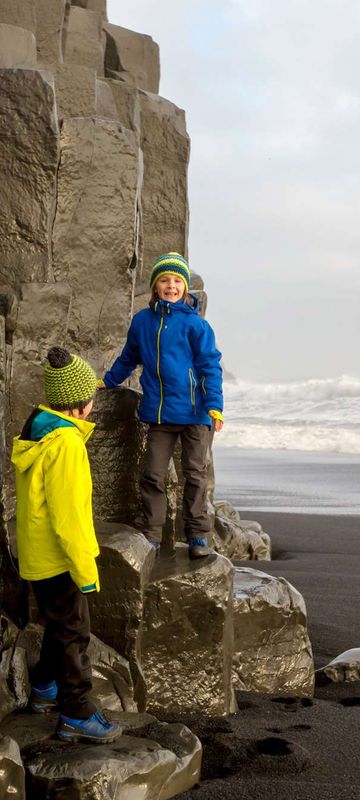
x: 203, y: 384
x: 192, y: 389
x: 158, y: 365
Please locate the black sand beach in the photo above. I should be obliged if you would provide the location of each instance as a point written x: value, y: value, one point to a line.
x: 291, y: 749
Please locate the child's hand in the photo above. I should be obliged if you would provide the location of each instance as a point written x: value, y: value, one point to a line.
x: 217, y: 419
x: 100, y: 384
x: 218, y: 424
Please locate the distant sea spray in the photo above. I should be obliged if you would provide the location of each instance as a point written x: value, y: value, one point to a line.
x: 317, y: 414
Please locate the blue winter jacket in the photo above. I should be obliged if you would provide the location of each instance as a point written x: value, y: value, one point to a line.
x: 182, y: 376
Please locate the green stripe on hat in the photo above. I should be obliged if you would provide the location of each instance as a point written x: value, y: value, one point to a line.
x: 170, y: 263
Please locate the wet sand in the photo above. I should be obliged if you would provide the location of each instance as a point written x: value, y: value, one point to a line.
x: 290, y: 749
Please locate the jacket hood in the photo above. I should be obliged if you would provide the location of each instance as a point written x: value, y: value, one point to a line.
x: 190, y: 305
x: 50, y: 425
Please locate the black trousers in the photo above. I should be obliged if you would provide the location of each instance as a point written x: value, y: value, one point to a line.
x: 63, y: 655
x: 160, y: 448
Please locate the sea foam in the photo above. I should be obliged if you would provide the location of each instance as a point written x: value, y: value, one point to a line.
x: 316, y: 414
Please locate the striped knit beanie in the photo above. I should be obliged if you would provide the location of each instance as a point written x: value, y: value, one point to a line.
x: 68, y: 379
x: 170, y: 264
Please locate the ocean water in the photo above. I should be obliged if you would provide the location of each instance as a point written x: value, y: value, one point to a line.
x: 315, y: 415
x: 287, y: 480
x: 291, y: 446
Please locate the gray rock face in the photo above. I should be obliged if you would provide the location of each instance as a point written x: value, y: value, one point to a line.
x: 116, y: 450
x: 95, y: 233
x: 84, y: 43
x: 272, y: 651
x: 345, y: 667
x: 166, y: 149
x: 105, y: 103
x: 126, y: 99
x: 134, y: 56
x: 187, y: 636
x: 12, y: 774
x: 28, y: 180
x: 75, y: 91
x: 17, y: 47
x: 42, y: 315
x: 19, y: 12
x: 92, y: 5
x: 50, y: 30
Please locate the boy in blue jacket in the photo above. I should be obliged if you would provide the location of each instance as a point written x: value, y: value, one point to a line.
x: 182, y: 396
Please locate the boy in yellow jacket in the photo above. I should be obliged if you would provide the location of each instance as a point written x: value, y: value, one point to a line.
x: 56, y: 543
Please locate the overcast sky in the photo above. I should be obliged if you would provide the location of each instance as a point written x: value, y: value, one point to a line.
x: 271, y: 90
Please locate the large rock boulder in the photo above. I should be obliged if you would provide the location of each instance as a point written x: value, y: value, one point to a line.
x: 150, y: 760
x: 125, y: 563
x: 238, y: 539
x: 116, y: 452
x: 112, y: 681
x: 12, y: 774
x: 187, y: 635
x: 272, y: 650
x: 345, y: 667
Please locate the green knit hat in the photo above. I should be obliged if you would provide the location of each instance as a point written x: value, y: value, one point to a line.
x: 68, y: 379
x: 170, y: 264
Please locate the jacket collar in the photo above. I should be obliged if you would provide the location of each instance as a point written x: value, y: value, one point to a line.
x: 189, y: 306
x: 86, y: 428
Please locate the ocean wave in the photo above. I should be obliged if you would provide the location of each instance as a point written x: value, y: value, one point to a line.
x: 315, y: 389
x: 317, y: 414
x: 291, y: 437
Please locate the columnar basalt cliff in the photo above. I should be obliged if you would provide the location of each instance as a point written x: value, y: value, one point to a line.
x: 93, y: 186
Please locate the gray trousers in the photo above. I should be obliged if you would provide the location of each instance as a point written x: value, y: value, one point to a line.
x: 160, y: 448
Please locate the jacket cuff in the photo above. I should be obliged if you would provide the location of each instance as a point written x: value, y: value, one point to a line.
x: 216, y: 415
x: 92, y: 587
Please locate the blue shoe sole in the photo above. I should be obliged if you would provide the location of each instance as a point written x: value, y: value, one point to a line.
x: 43, y: 707
x: 77, y: 738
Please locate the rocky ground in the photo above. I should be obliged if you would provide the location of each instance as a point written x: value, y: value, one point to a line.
x: 285, y: 748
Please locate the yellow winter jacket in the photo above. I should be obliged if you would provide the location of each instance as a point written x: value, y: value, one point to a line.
x: 54, y: 524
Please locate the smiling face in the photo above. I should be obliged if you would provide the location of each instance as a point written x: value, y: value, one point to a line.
x: 170, y: 288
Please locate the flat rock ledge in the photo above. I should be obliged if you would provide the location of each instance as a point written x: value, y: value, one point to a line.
x: 150, y: 760
x: 343, y: 668
x: 272, y: 650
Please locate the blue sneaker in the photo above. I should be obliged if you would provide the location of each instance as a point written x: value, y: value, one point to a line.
x: 198, y: 548
x: 95, y: 729
x: 43, y: 698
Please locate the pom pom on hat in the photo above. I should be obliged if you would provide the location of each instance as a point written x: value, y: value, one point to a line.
x: 170, y: 264
x: 68, y: 379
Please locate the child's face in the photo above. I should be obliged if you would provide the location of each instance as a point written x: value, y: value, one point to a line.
x: 170, y: 288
